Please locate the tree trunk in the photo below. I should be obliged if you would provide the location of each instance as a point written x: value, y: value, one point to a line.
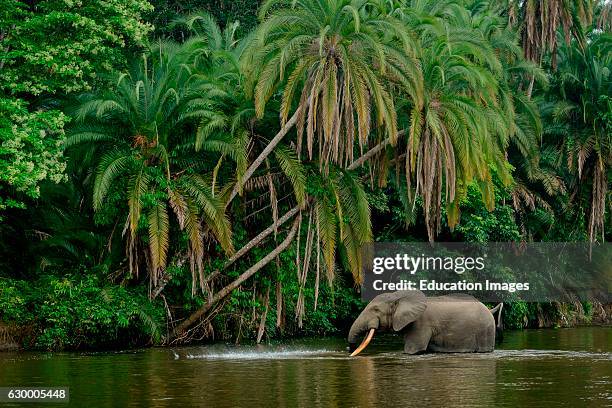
x: 195, y: 316
x: 279, y: 304
x: 265, y: 153
x: 254, y: 242
x: 372, y: 152
x: 264, y: 316
x: 530, y: 89
x: 261, y: 236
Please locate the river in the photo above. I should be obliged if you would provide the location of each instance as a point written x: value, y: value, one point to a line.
x: 532, y: 368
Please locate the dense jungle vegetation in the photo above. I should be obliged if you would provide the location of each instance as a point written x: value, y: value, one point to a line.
x: 209, y: 169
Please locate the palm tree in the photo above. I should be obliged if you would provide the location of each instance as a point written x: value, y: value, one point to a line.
x: 345, y: 64
x: 341, y: 59
x: 581, y: 114
x: 540, y: 21
x: 140, y: 130
x: 535, y: 179
x: 223, y: 111
x: 336, y: 214
x: 458, y: 134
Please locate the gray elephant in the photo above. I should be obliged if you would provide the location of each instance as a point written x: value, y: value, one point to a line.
x: 456, y: 323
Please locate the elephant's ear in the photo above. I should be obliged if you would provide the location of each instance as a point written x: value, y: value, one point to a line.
x: 409, y: 308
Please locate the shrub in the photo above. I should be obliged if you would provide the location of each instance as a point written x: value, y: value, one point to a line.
x: 74, y: 312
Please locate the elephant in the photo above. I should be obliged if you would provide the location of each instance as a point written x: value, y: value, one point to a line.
x: 456, y: 323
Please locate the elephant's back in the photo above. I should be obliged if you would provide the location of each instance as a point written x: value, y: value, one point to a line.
x: 461, y: 308
x: 454, y: 297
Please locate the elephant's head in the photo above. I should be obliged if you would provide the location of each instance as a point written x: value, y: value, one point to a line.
x: 390, y: 310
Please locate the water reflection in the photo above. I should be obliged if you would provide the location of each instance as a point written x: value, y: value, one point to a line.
x: 536, y: 368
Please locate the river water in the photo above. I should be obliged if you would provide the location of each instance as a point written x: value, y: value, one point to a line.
x: 532, y: 368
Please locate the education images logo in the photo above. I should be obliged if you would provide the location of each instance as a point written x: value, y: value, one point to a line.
x: 389, y: 268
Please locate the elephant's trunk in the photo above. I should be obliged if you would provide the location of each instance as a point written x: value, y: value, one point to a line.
x: 360, y: 326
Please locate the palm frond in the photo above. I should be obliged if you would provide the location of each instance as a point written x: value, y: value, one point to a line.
x: 159, y: 241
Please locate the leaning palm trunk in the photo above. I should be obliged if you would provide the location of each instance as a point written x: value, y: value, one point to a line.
x: 261, y: 236
x: 253, y: 243
x: 373, y: 152
x: 195, y: 316
x: 264, y: 154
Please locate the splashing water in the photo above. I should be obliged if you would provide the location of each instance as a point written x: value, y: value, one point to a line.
x: 261, y: 355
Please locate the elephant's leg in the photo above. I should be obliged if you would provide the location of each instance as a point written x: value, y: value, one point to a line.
x: 416, y: 338
x: 485, y: 340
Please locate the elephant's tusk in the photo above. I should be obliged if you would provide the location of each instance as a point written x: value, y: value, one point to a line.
x: 364, y: 344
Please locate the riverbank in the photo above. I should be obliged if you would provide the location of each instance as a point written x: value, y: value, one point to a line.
x: 88, y: 313
x: 534, y: 316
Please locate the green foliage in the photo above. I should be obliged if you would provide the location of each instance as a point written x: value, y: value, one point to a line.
x: 578, y: 107
x: 154, y: 104
x: 38, y: 63
x: 39, y: 60
x: 460, y: 134
x: 516, y: 315
x: 481, y: 225
x: 225, y: 11
x: 334, y: 313
x: 30, y: 151
x: 79, y: 311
